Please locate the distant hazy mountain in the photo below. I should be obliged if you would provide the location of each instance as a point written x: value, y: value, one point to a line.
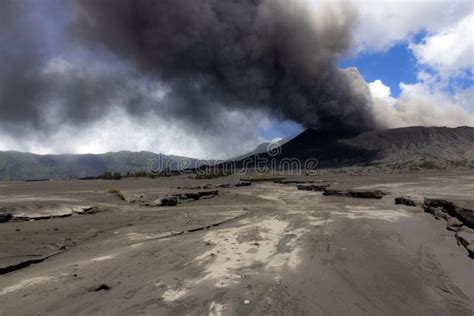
x: 25, y: 166
x: 401, y: 148
x: 410, y: 147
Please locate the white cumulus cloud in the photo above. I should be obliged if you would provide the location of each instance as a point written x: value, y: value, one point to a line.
x: 383, y: 23
x: 379, y: 90
x: 451, y: 51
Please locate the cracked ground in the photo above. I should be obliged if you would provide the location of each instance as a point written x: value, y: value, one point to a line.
x: 262, y: 249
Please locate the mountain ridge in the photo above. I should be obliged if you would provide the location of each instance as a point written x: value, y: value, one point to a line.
x: 408, y: 147
x: 15, y: 165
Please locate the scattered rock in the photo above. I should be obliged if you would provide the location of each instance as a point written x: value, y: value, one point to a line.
x: 292, y: 181
x: 244, y: 184
x: 189, y: 196
x: 167, y: 201
x: 312, y: 187
x: 470, y: 250
x: 269, y: 179
x: 225, y: 185
x: 102, y: 287
x: 375, y: 194
x: 191, y: 187
x: 246, y: 302
x: 453, y: 224
x: 208, y: 193
x: 465, y: 237
x: 153, y: 200
x: 455, y: 218
x: 205, y: 197
x: 84, y: 210
x: 439, y: 214
x: 5, y: 214
x: 438, y: 203
x: 196, y: 195
x: 407, y: 200
x: 466, y: 216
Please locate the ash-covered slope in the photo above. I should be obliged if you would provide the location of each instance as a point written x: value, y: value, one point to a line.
x: 26, y: 166
x: 410, y: 147
x: 425, y: 146
x: 261, y: 148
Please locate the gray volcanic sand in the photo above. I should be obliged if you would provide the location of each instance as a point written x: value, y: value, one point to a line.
x: 263, y: 249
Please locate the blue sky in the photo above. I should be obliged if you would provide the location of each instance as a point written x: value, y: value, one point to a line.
x: 391, y: 67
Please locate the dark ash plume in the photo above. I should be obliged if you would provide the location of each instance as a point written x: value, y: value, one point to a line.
x: 32, y: 95
x: 274, y: 56
x: 209, y: 57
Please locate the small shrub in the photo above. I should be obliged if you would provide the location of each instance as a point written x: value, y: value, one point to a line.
x: 428, y: 164
x: 117, y: 192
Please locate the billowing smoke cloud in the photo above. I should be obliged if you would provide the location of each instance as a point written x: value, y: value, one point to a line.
x: 187, y: 61
x: 277, y: 56
x: 38, y: 92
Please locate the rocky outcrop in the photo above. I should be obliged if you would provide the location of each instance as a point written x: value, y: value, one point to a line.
x: 373, y: 194
x: 453, y: 224
x: 37, y: 212
x: 457, y: 218
x: 312, y: 187
x: 436, y: 212
x: 407, y: 200
x: 465, y: 215
x: 465, y: 237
